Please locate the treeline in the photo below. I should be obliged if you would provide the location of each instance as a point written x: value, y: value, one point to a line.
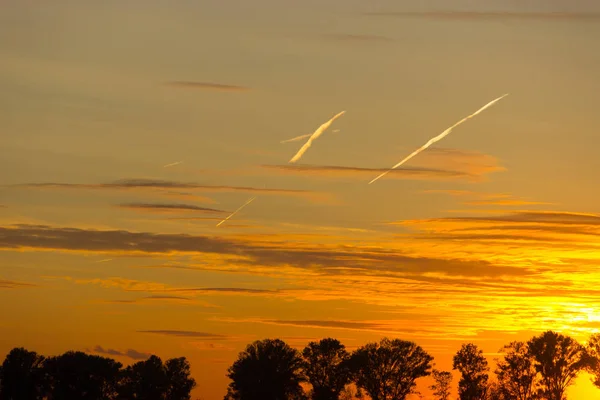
x: 26, y: 375
x: 539, y: 369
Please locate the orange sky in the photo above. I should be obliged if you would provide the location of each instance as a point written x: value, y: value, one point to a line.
x: 490, y: 235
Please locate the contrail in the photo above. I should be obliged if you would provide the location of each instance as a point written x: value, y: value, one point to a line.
x: 235, y: 212
x: 172, y: 164
x: 314, y: 136
x: 296, y: 138
x: 439, y: 137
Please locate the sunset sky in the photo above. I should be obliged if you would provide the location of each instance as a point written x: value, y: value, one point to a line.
x: 489, y: 236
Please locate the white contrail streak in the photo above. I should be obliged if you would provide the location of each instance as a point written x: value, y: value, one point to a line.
x: 439, y: 137
x: 173, y: 164
x: 236, y: 211
x: 296, y: 138
x: 314, y: 136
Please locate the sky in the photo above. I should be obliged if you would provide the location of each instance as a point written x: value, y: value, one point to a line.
x: 129, y: 129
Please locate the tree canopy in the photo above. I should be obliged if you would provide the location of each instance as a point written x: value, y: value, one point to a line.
x: 388, y: 370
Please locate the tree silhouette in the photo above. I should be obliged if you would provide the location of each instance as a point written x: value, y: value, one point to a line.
x: 558, y: 359
x: 388, y: 370
x: 441, y: 385
x: 473, y: 366
x: 22, y: 376
x: 76, y: 375
x: 516, y: 372
x: 327, y: 368
x: 592, y: 352
x: 267, y: 370
x: 145, y: 380
x: 180, y: 382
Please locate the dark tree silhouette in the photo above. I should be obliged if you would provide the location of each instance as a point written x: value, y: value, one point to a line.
x: 145, y: 380
x: 473, y: 366
x: 388, y: 370
x: 180, y: 381
x: 267, y: 370
x: 441, y: 385
x: 558, y: 359
x: 327, y: 368
x: 22, y: 376
x: 76, y: 375
x: 592, y: 353
x: 517, y: 376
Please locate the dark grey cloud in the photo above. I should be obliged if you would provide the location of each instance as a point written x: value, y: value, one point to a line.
x: 275, y: 253
x: 151, y: 207
x: 189, y: 334
x: 357, y: 172
x: 154, y: 184
x: 207, y: 86
x: 490, y: 15
x: 131, y: 353
x: 165, y: 297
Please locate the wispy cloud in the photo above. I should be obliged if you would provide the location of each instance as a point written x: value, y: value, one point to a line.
x: 187, y: 334
x: 130, y: 353
x: 6, y: 284
x: 207, y: 86
x: 490, y: 15
x: 330, y: 171
x: 172, y: 164
x: 505, y: 202
x: 168, y: 208
x: 160, y: 185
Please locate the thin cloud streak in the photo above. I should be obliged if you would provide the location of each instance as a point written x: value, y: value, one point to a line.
x: 153, y: 184
x: 130, y: 353
x: 151, y: 207
x: 236, y: 211
x: 295, y: 139
x: 358, y: 172
x: 173, y: 164
x: 188, y: 334
x: 439, y: 137
x: 320, y: 130
x: 207, y: 86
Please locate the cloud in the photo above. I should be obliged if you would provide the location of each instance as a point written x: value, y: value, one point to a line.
x: 345, y: 37
x: 353, y: 325
x: 436, y: 164
x: 356, y: 172
x: 189, y: 334
x: 168, y: 208
x: 207, y: 86
x: 162, y: 185
x: 250, y: 251
x: 472, y: 162
x: 491, y: 15
x: 163, y: 297
x: 131, y: 353
x: 6, y: 284
x: 506, y: 202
